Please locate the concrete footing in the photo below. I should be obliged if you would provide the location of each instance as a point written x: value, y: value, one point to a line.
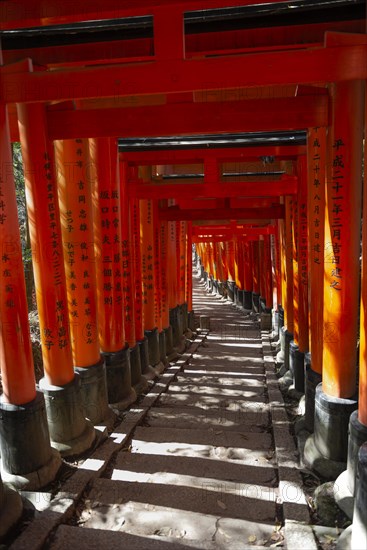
x: 146, y: 368
x: 255, y: 302
x: 120, y: 392
x: 154, y: 350
x: 171, y: 353
x: 344, y: 487
x: 71, y: 432
x: 94, y: 394
x: 312, y: 379
x: 275, y: 325
x: 296, y: 366
x: 230, y: 290
x: 138, y: 381
x: 27, y: 458
x: 326, y: 450
x: 247, y: 300
x: 11, y: 508
x: 175, y: 324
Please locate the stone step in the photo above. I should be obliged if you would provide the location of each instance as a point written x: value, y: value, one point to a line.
x: 196, y: 372
x: 247, y: 448
x: 217, y: 419
x: 235, y: 478
x: 227, y: 383
x: 240, y: 404
x: 226, y: 379
x: 205, y: 390
x: 118, y: 502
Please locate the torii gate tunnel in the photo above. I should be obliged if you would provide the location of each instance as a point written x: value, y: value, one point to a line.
x: 154, y: 134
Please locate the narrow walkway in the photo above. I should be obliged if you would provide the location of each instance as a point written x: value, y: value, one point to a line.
x: 205, y: 461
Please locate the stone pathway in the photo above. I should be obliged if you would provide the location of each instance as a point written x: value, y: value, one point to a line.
x: 206, y: 460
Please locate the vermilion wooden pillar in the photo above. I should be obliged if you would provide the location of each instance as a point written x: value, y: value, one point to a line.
x: 17, y: 371
x: 248, y: 278
x: 75, y: 203
x: 268, y: 273
x: 108, y: 250
x: 188, y: 290
x: 239, y: 272
x: 262, y: 271
x: 229, y: 247
x: 148, y: 242
x: 316, y: 167
x: 316, y: 161
x: 138, y: 382
x: 335, y: 397
x: 70, y: 432
x: 24, y: 437
x: 255, y: 253
x: 362, y: 406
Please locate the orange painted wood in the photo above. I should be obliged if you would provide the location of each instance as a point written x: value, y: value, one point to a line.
x: 136, y: 268
x: 247, y: 265
x: 362, y: 403
x: 172, y: 261
x: 108, y: 246
x: 255, y: 266
x: 342, y: 240
x: 316, y: 166
x: 174, y: 119
x: 45, y: 234
x: 303, y: 66
x: 76, y: 215
x: 239, y: 264
x: 147, y: 263
x: 157, y: 269
x: 268, y: 279
x: 181, y: 255
x: 229, y: 248
x: 302, y: 257
x: 16, y: 361
x: 188, y: 288
x: 127, y: 259
x: 294, y: 249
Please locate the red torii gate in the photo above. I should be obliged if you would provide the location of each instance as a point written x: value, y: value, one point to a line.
x: 181, y: 79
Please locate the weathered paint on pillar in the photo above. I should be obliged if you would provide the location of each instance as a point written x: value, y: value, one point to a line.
x: 302, y: 256
x: 136, y: 268
x: 181, y: 256
x: 164, y: 267
x: 172, y: 263
x: 268, y: 272
x: 230, y: 260
x: 342, y: 240
x: 294, y: 252
x: 75, y: 203
x: 157, y: 269
x: 188, y: 291
x: 17, y: 370
x: 107, y: 238
x: 362, y: 404
x: 147, y: 262
x: 316, y: 164
x: 45, y: 235
x: 239, y: 264
x: 287, y: 252
x: 127, y: 259
x: 262, y: 267
x: 255, y: 266
x: 247, y: 264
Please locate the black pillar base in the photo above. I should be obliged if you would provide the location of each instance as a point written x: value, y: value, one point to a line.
x: 230, y: 290
x: 247, y: 300
x: 312, y: 379
x: 296, y: 366
x: 93, y: 390
x: 240, y: 293
x: 174, y: 322
x: 138, y: 382
x: 27, y: 459
x: 153, y: 346
x: 162, y: 348
x: 146, y: 368
x: 255, y: 302
x: 120, y: 392
x: 70, y: 432
x: 326, y: 450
